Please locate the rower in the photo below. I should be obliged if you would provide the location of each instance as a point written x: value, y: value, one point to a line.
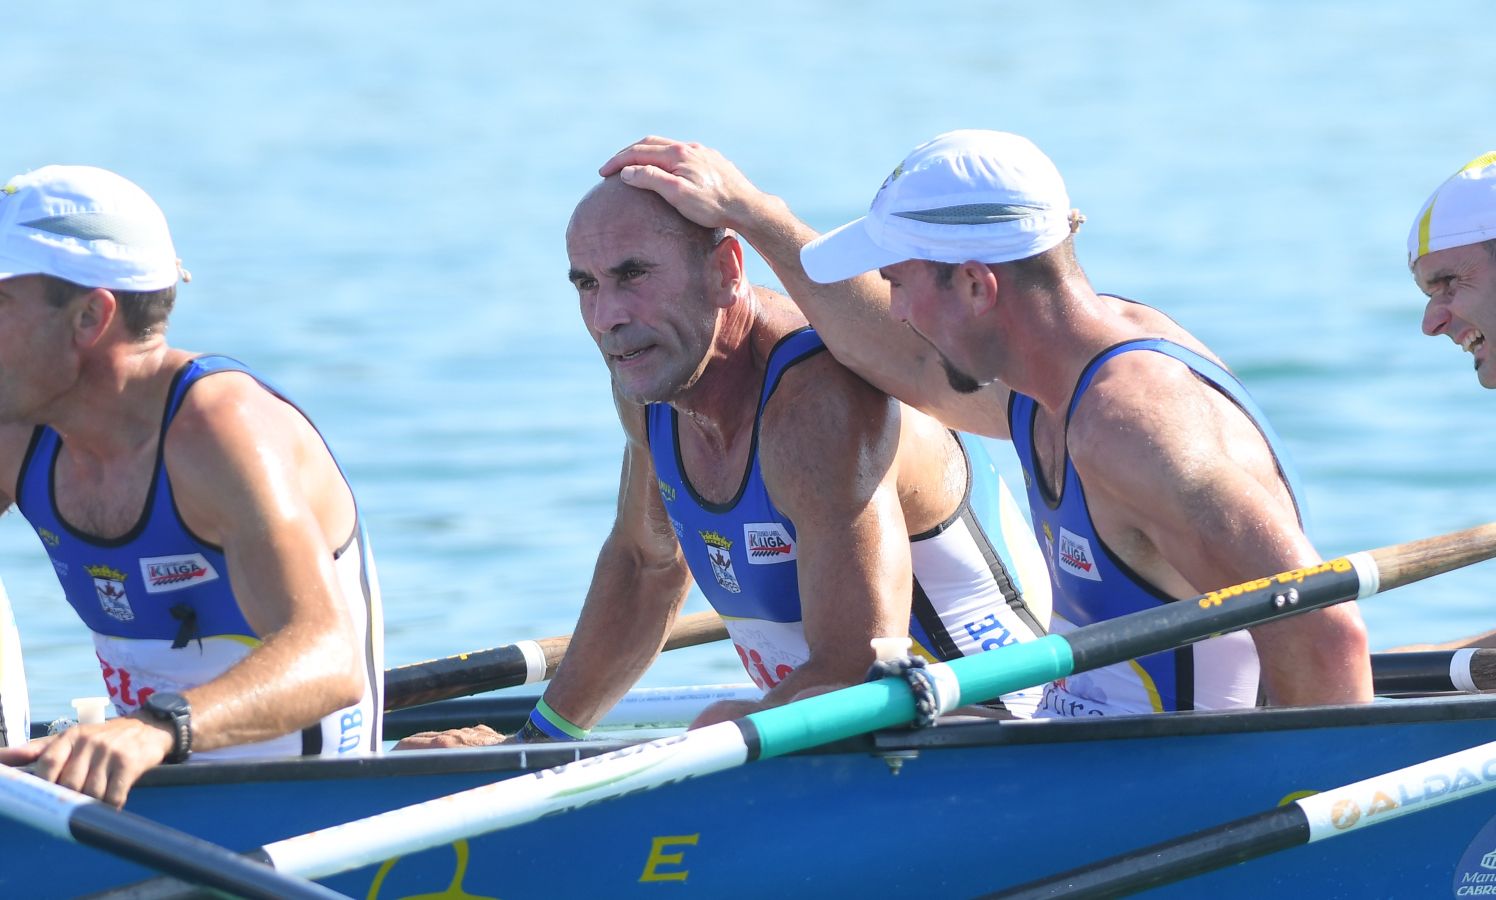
x: 813, y: 512
x: 1151, y: 475
x: 196, y: 520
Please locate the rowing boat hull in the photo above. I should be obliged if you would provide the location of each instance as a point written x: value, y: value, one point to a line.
x: 955, y: 811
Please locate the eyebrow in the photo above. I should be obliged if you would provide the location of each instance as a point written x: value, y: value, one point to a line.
x: 615, y: 271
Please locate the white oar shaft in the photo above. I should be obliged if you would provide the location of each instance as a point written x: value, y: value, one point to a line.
x: 1383, y: 798
x: 40, y: 804
x: 506, y: 803
x: 673, y: 705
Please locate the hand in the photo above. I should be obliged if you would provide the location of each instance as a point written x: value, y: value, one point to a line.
x: 103, y: 761
x: 476, y: 736
x: 698, y: 181
x: 725, y: 711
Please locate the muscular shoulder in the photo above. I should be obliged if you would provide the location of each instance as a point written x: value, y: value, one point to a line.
x: 1147, y: 420
x: 223, y: 411
x: 825, y: 429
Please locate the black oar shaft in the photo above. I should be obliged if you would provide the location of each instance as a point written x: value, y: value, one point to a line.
x: 140, y: 840
x: 512, y: 665
x: 1127, y: 873
x: 1433, y: 671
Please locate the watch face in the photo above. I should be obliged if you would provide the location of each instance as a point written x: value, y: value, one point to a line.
x: 167, y: 703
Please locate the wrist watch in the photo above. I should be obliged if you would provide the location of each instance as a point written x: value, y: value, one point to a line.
x: 174, y: 710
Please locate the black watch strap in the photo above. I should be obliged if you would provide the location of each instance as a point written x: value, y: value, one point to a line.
x: 174, y: 711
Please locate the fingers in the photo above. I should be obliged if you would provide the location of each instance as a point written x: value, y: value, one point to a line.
x: 24, y: 754
x: 651, y: 150
x: 476, y: 736
x: 102, y: 761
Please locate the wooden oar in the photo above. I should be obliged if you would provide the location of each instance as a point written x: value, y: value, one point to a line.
x: 73, y: 817
x: 1331, y: 813
x: 1434, y: 671
x: 867, y: 707
x: 525, y: 662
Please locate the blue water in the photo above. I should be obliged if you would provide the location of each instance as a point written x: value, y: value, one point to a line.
x: 372, y: 196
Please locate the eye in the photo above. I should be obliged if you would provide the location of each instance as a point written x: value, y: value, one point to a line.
x: 631, y: 273
x: 585, y: 284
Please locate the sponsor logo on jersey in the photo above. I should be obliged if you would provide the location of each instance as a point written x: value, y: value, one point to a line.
x: 62, y: 568
x: 680, y: 530
x: 109, y: 583
x: 667, y: 491
x: 768, y: 543
x: 49, y: 538
x: 1074, y: 556
x: 173, y: 573
x: 718, y: 554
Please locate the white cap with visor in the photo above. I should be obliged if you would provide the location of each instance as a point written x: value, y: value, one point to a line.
x: 987, y: 196
x: 88, y: 226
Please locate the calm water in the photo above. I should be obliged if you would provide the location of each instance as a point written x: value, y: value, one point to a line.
x: 371, y: 197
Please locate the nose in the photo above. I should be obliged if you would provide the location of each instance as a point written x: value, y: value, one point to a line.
x: 608, y: 311
x: 1435, y: 317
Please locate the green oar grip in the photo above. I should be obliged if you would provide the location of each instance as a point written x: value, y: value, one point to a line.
x: 881, y: 704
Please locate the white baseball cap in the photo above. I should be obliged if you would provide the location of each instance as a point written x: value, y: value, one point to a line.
x: 1462, y: 211
x: 988, y: 196
x: 88, y: 226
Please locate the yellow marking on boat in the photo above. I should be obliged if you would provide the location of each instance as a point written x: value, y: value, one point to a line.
x: 453, y: 891
x: 657, y: 857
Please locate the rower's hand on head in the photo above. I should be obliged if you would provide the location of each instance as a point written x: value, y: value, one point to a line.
x: 103, y: 760
x: 698, y: 181
x: 476, y: 736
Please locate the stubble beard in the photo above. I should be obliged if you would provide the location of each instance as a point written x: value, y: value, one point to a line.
x: 960, y: 382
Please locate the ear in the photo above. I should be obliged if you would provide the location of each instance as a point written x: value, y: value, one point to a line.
x: 726, y: 276
x: 92, y: 316
x: 977, y: 285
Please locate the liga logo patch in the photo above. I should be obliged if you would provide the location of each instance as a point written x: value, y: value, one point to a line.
x: 1074, y: 556
x: 768, y: 543
x: 173, y: 573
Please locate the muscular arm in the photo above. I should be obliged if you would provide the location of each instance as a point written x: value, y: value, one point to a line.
x: 251, y: 475
x: 851, y: 316
x: 1195, y: 480
x: 828, y: 452
x: 637, y: 588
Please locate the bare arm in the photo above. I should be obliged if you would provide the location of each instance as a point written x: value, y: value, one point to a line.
x: 638, y: 586
x: 1196, y: 480
x: 851, y: 316
x: 828, y: 451
x: 251, y: 475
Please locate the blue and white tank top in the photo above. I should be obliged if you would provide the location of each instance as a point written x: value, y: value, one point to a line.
x: 1091, y: 584
x: 979, y: 581
x: 158, y: 600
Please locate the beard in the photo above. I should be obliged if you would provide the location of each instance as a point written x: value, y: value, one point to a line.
x: 960, y: 382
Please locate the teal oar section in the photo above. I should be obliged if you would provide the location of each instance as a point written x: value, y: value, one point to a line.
x: 857, y: 710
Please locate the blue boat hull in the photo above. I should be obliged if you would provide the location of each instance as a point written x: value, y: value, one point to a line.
x: 972, y: 808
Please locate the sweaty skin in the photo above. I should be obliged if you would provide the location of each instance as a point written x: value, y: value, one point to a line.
x: 1185, y: 493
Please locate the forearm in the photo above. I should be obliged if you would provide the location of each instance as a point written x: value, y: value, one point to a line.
x: 298, y: 676
x: 851, y: 316
x: 626, y: 618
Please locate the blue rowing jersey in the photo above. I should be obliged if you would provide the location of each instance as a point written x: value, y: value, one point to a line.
x: 1092, y: 585
x: 979, y: 581
x: 158, y: 600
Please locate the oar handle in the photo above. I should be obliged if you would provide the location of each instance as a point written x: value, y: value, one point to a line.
x: 1434, y: 671
x: 1416, y: 560
x: 525, y: 662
